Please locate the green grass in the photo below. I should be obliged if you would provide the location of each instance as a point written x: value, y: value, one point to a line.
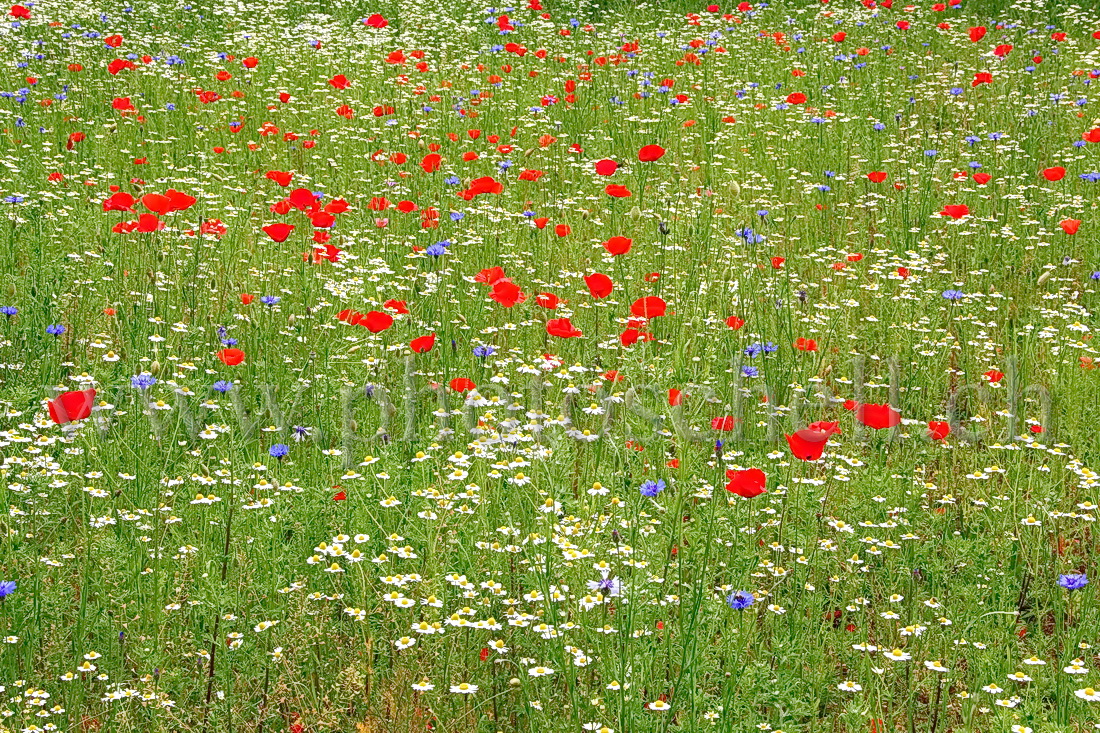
x: 155, y: 541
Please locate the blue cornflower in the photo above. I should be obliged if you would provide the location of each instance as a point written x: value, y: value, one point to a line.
x: 770, y: 348
x: 652, y: 488
x: 1094, y: 276
x: 9, y: 310
x: 739, y: 600
x: 749, y: 371
x: 483, y: 351
x: 55, y: 329
x: 753, y: 350
x: 222, y: 386
x: 954, y: 294
x: 457, y: 216
x: 142, y: 381
x: 270, y: 299
x: 452, y: 180
x: 1073, y: 581
x: 762, y: 213
x: 436, y: 249
x: 7, y: 587
x: 279, y: 450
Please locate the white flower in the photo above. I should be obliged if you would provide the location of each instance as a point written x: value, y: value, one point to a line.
x: 464, y: 688
x: 662, y: 705
x: 849, y: 686
x: 1088, y: 694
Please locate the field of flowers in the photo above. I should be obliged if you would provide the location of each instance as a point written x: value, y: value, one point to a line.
x: 570, y: 366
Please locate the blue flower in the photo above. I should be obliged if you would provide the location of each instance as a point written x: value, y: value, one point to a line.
x: 1094, y: 276
x: 279, y: 450
x: 7, y: 587
x: 55, y: 329
x: 222, y: 386
x: 483, y: 351
x: 652, y: 488
x: 954, y: 294
x: 739, y: 600
x: 9, y: 310
x: 436, y: 250
x: 1073, y: 581
x: 270, y: 299
x: 748, y: 371
x: 142, y: 381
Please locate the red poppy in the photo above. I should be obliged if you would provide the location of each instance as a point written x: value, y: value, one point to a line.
x: 617, y: 191
x: 903, y: 272
x: 618, y: 245
x: 796, y: 98
x: 339, y: 82
x: 807, y: 444
x: 1056, y: 173
x: 724, y: 424
x: 876, y: 176
x: 281, y: 177
x: 735, y: 323
x: 977, y: 33
x: 599, y: 285
x: 982, y: 178
x: 507, y: 293
x: 71, y: 406
x: 606, y: 167
x: 422, y: 344
x: 649, y: 307
x: 339, y: 496
x: 675, y: 397
x: 278, y: 232
x: 748, y: 483
x: 376, y: 321
x: 562, y: 230
x: 650, y: 153
x: 777, y: 262
x: 994, y: 376
x: 878, y: 417
x: 247, y: 298
x: 1070, y: 226
x: 375, y: 20
x: 231, y: 357
x: 938, y: 430
x: 831, y: 428
x: 461, y: 384
x: 548, y: 301
x: 955, y: 211
x: 562, y: 328
x: 804, y: 344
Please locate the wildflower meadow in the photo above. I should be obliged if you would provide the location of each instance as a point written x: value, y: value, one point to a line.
x: 571, y: 366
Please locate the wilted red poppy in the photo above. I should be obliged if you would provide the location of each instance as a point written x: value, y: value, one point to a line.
x: 71, y: 406
x: 231, y: 357
x: 599, y: 285
x: 650, y: 153
x: 748, y: 483
x: 422, y: 344
x: 878, y: 417
x: 562, y: 328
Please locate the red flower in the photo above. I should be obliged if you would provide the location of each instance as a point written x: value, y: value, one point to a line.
x: 231, y: 357
x: 777, y: 262
x: 376, y: 21
x: 982, y: 178
x: 807, y: 444
x: 725, y: 423
x: 994, y: 376
x: 1070, y: 226
x: 562, y: 328
x: 462, y: 384
x: 675, y: 397
x: 876, y: 176
x: 938, y: 430
x: 71, y: 406
x: 878, y: 416
x: 956, y: 211
x: 803, y: 344
x: 747, y: 483
x: 977, y: 33
x: 735, y: 323
x: 339, y: 496
x: 649, y: 307
x: 1056, y: 173
x: 650, y: 153
x: 278, y: 232
x: 599, y: 285
x: 562, y: 230
x: 903, y: 272
x: 617, y: 191
x: 422, y: 344
x: 507, y: 293
x: 618, y: 245
x: 796, y: 98
x: 548, y: 301
x: 398, y: 306
x: 376, y: 321
x: 606, y: 167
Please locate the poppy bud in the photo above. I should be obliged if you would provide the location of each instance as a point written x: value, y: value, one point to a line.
x: 154, y: 368
x: 635, y: 213
x: 734, y: 188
